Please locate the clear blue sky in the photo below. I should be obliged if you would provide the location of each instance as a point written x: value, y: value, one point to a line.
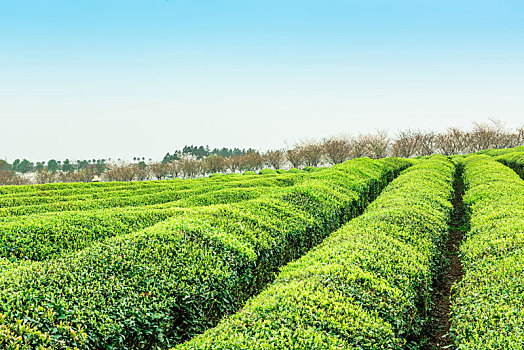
x: 124, y: 78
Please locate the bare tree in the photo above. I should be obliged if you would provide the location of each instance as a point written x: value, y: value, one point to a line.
x: 336, y: 149
x: 65, y: 176
x: 9, y: 177
x: 86, y: 175
x: 519, y: 136
x: 311, y: 153
x: 141, y: 171
x: 294, y: 156
x: 235, y: 163
x: 407, y: 143
x: 359, y: 147
x: 379, y: 144
x: 190, y: 166
x: 453, y: 141
x: 173, y: 168
x: 124, y: 172
x: 43, y: 176
x: 275, y: 158
x: 427, y: 143
x: 252, y: 161
x: 489, y: 135
x: 215, y: 164
x: 159, y: 170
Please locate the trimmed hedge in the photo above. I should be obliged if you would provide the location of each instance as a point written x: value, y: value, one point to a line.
x: 45, y: 236
x: 164, y: 195
x: 72, y: 189
x: 296, y: 171
x: 498, y: 152
x: 367, y: 286
x: 267, y: 172
x: 311, y: 169
x: 40, y: 237
x: 159, y: 286
x: 488, y: 306
x: 77, y: 186
x: 66, y: 190
x: 32, y: 198
x: 514, y: 160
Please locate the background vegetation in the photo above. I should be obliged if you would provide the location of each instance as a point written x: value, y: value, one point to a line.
x: 193, y: 161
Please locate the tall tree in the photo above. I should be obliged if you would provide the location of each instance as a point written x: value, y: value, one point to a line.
x: 53, y: 166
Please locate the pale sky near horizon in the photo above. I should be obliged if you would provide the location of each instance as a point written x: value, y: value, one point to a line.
x: 123, y: 78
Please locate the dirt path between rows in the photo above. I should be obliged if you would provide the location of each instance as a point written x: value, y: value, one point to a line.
x: 437, y: 331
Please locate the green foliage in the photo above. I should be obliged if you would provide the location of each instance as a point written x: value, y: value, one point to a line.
x: 4, y: 166
x: 127, y: 196
x: 498, y: 152
x: 156, y: 287
x: 201, y: 152
x: 249, y: 173
x: 310, y: 169
x: 514, y: 160
x: 367, y: 286
x: 43, y: 236
x: 23, y: 166
x: 267, y: 172
x: 488, y: 306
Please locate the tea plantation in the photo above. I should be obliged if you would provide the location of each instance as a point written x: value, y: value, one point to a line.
x: 347, y: 257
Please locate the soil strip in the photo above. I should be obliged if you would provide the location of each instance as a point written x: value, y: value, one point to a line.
x: 437, y: 331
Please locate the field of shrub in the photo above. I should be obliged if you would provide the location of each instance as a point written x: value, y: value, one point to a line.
x: 489, y: 304
x: 346, y: 257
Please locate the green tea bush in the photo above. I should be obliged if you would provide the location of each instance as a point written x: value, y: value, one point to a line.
x: 514, y: 160
x: 43, y: 236
x: 159, y: 286
x: 498, y: 152
x: 488, y: 306
x: 134, y: 198
x: 310, y: 169
x: 267, y: 172
x: 367, y: 286
x: 66, y: 191
x: 79, y: 187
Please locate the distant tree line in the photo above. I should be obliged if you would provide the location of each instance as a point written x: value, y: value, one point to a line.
x: 200, y: 152
x: 193, y: 161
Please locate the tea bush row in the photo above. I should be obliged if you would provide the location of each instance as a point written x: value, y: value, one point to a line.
x: 163, y: 195
x: 40, y: 237
x: 157, y: 287
x: 488, y: 305
x: 367, y: 286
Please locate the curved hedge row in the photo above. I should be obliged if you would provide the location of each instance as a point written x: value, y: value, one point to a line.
x: 40, y: 237
x: 118, y: 191
x: 164, y: 195
x: 365, y: 287
x: 514, y: 160
x: 66, y: 193
x: 74, y: 186
x: 71, y: 189
x: 488, y: 307
x: 159, y: 286
x: 498, y: 152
